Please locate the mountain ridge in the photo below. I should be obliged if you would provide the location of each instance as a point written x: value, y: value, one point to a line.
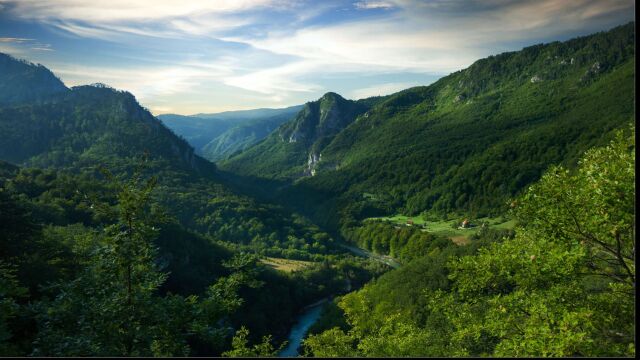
x: 23, y: 81
x: 111, y: 122
x: 469, y: 141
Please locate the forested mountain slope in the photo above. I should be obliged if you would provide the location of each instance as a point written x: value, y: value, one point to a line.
x: 562, y: 286
x: 197, y: 131
x: 22, y: 81
x: 95, y: 126
x: 468, y: 142
x: 89, y: 124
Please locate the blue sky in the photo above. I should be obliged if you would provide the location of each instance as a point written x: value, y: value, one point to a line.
x: 191, y: 57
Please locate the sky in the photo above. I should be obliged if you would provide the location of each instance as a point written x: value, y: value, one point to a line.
x: 188, y: 57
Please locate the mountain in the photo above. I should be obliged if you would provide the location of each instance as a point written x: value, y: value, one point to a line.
x: 294, y: 149
x: 22, y: 81
x: 465, y: 144
x: 87, y: 123
x: 218, y: 135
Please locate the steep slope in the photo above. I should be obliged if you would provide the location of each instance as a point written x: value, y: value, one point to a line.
x: 217, y: 135
x: 22, y: 81
x: 565, y: 259
x: 468, y: 142
x: 294, y: 149
x: 89, y: 123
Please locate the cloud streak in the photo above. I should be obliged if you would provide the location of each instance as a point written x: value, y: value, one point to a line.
x: 13, y: 40
x: 126, y: 10
x: 418, y: 38
x: 363, y: 5
x: 284, y: 52
x: 18, y: 45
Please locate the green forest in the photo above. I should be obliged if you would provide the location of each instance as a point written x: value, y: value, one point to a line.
x: 465, y: 144
x: 563, y: 285
x: 489, y: 214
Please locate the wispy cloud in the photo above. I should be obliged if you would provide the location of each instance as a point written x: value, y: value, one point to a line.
x: 43, y: 47
x: 152, y: 86
x: 115, y: 19
x: 277, y: 81
x: 18, y: 46
x: 209, y: 54
x: 14, y: 40
x: 144, y: 82
x: 362, y: 5
x: 418, y: 38
x: 126, y: 10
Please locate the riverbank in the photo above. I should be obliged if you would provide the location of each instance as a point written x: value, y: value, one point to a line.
x: 311, y: 313
x: 309, y: 316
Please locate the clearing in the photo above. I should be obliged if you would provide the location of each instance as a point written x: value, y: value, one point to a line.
x: 458, y: 235
x: 286, y: 265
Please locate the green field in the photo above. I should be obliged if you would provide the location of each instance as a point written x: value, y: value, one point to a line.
x: 286, y: 265
x: 444, y: 227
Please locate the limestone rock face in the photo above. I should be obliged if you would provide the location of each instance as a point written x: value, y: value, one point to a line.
x: 324, y: 117
x: 312, y: 163
x: 317, y: 123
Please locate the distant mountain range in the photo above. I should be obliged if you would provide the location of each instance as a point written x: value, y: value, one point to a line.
x: 217, y: 136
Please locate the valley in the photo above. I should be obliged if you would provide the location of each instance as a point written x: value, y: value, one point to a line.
x: 490, y: 213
